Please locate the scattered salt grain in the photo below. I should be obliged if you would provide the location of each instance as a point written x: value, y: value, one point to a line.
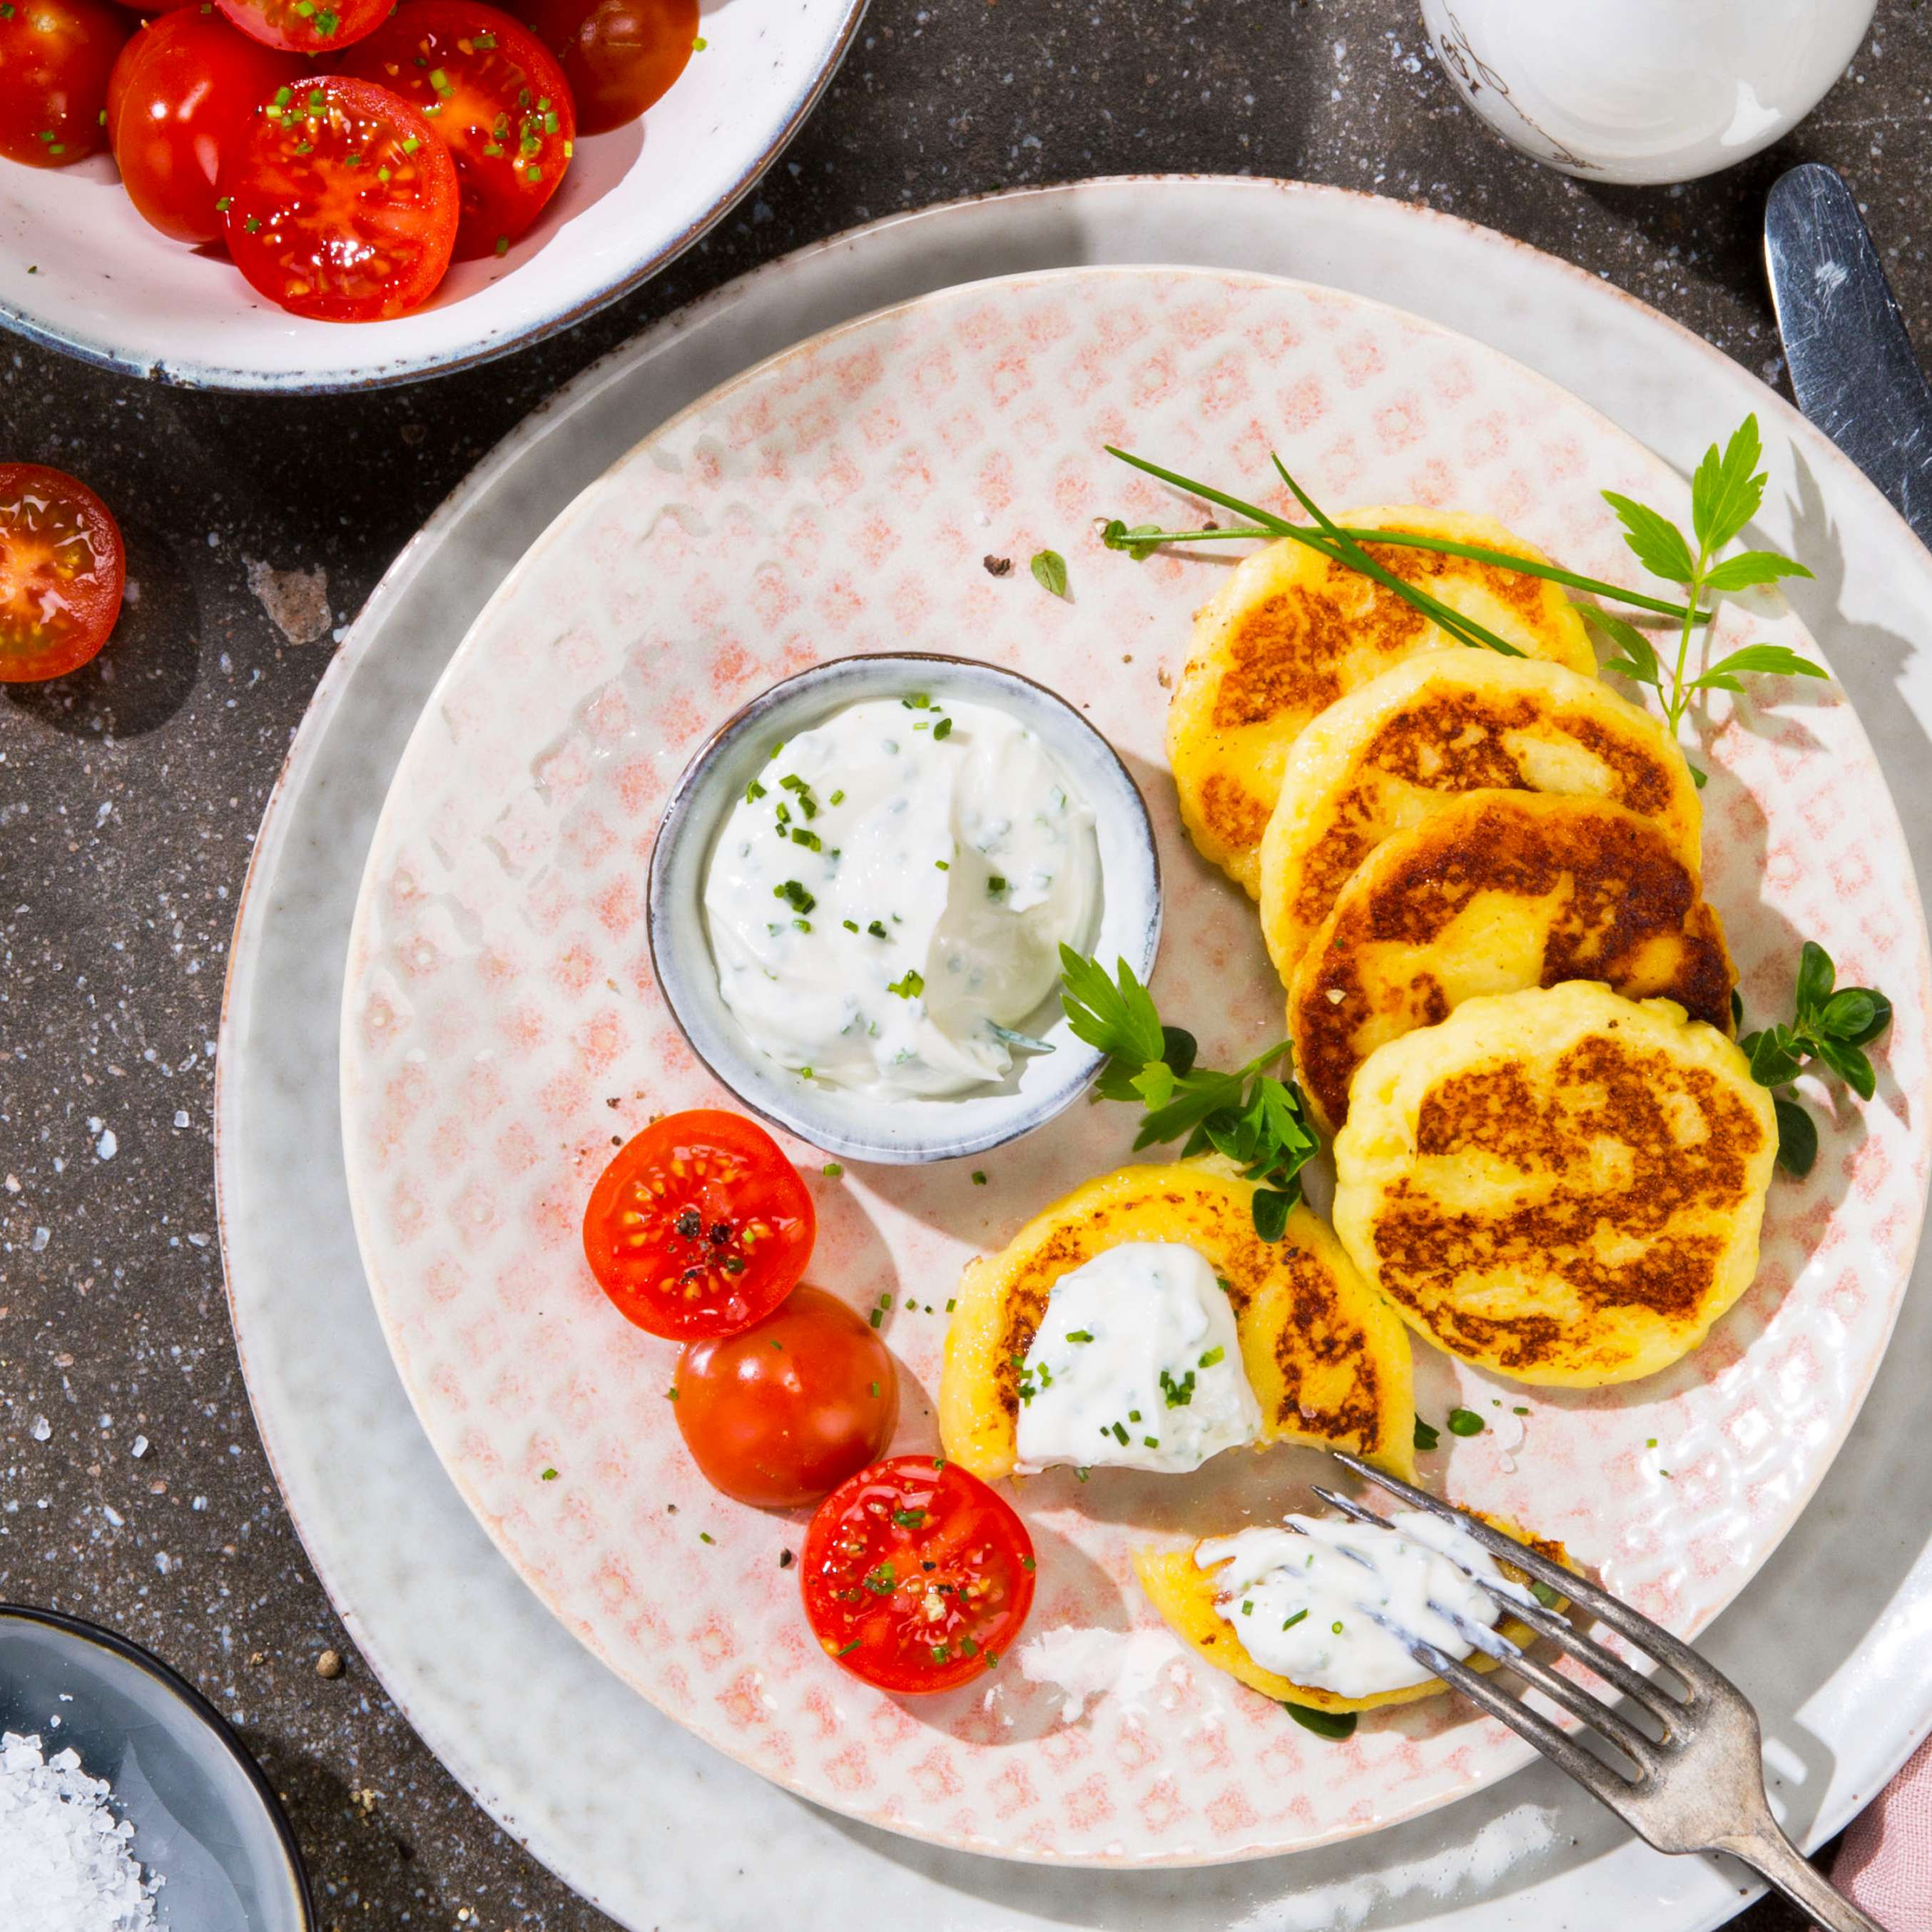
x: 139, y: 1447
x: 42, y: 1236
x: 41, y: 1429
x: 66, y: 1864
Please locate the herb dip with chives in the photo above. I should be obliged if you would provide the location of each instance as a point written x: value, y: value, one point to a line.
x: 1305, y: 1599
x: 887, y: 898
x: 1135, y: 1364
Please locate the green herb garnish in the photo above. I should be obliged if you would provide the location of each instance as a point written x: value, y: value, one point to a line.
x: 1336, y: 1724
x: 1426, y: 1437
x: 1465, y: 1422
x: 1832, y: 1025
x: 1249, y: 1116
x: 1049, y: 572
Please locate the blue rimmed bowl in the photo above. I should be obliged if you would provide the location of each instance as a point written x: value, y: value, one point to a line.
x: 857, y: 1126
x: 205, y: 1820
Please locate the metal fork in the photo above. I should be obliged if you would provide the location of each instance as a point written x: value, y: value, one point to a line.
x: 1699, y: 1779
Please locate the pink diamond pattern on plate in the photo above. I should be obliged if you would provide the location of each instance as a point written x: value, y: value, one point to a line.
x: 502, y: 1031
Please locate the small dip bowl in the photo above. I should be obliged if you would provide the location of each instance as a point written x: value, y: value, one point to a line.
x: 206, y: 1822
x: 859, y: 1126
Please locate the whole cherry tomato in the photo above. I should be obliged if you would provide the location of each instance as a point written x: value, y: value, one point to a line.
x: 619, y: 55
x: 699, y: 1226
x: 61, y: 571
x: 184, y: 90
x: 56, y: 56
x: 917, y: 1576
x: 494, y: 93
x: 306, y: 26
x: 340, y: 201
x: 785, y: 1410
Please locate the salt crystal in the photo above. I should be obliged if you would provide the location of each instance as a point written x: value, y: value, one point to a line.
x: 42, y: 1236
x: 139, y: 1447
x: 107, y: 1146
x: 69, y: 1863
x: 41, y: 1429
x: 180, y: 1117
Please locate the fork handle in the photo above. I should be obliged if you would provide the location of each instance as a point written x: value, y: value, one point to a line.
x: 1772, y: 1855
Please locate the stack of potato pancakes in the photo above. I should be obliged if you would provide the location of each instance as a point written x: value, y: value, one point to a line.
x: 1480, y: 879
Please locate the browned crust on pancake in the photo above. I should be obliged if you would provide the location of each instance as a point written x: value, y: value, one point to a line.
x: 1454, y: 741
x: 1604, y: 1092
x: 1628, y: 891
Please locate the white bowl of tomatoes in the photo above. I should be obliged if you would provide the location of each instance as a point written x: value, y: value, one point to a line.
x: 315, y: 195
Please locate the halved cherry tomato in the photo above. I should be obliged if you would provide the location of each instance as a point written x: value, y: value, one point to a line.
x: 56, y: 56
x: 917, y: 1576
x: 182, y: 93
x: 61, y: 571
x: 496, y: 96
x: 699, y: 1226
x: 339, y: 201
x: 306, y: 26
x: 619, y: 55
x: 785, y: 1410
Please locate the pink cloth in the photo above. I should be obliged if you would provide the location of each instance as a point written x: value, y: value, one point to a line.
x: 1886, y: 1862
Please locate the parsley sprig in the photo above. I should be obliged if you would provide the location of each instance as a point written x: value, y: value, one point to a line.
x: 1251, y: 1116
x: 1831, y: 1025
x: 1725, y: 494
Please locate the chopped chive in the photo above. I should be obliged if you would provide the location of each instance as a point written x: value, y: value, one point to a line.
x: 1212, y: 1356
x: 1291, y: 1623
x: 548, y: 1476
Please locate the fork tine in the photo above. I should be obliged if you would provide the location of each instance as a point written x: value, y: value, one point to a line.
x: 1548, y: 1623
x: 1698, y: 1676
x: 1602, y: 1780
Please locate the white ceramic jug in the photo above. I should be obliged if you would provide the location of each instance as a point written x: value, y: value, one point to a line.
x: 1644, y: 91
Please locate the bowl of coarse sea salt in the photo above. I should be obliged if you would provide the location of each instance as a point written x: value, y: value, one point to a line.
x: 126, y: 1803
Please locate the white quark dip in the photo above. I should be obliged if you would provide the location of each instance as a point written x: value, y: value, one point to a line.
x: 891, y: 894
x: 1136, y: 1363
x: 1304, y: 1601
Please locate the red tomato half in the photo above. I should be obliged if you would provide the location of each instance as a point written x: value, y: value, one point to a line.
x: 56, y: 56
x: 917, y: 1576
x: 306, y: 26
x: 699, y: 1225
x: 785, y: 1410
x: 496, y: 96
x: 61, y: 570
x: 341, y: 203
x: 182, y: 94
x: 619, y: 55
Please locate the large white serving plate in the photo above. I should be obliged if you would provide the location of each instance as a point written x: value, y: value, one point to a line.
x: 1830, y: 1651
x: 503, y: 1027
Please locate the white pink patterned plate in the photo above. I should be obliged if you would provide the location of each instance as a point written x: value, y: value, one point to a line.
x: 502, y: 1032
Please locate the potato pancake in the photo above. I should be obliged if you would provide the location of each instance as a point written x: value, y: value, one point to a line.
x: 1326, y: 1356
x: 1495, y: 892
x: 1289, y: 633
x: 1383, y: 758
x: 1184, y: 1594
x: 1562, y: 1185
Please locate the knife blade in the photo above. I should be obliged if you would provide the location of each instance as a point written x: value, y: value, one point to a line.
x: 1853, y: 366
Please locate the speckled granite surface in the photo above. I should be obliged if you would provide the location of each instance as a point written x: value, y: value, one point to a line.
x: 132, y: 1488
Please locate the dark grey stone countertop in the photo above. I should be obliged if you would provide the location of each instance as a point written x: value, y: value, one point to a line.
x: 132, y: 1489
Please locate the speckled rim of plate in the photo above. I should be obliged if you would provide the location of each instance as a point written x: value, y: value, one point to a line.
x: 212, y: 1721
x: 1839, y: 1721
x: 1130, y: 924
